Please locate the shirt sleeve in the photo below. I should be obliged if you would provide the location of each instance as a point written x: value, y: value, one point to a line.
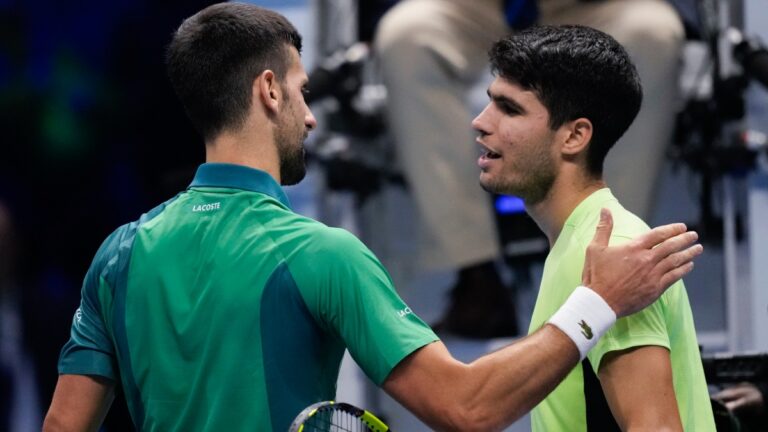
x: 90, y: 350
x: 350, y: 294
x: 646, y: 327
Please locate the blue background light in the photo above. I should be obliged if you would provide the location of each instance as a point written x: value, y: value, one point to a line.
x: 507, y: 204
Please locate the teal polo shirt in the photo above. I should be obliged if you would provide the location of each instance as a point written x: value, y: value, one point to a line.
x: 222, y: 309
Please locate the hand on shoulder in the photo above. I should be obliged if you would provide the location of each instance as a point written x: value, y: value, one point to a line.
x: 632, y: 275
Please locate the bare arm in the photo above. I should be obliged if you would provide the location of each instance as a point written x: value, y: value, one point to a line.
x: 487, y: 394
x: 637, y: 383
x: 496, y: 389
x: 80, y: 403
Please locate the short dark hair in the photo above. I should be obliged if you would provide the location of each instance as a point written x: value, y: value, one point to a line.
x: 217, y: 53
x: 575, y: 71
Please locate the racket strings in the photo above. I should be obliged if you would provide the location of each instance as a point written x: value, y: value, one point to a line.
x: 335, y: 421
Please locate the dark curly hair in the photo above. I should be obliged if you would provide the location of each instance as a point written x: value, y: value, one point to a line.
x: 575, y: 71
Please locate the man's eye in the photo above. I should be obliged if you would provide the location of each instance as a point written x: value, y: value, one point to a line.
x: 508, y: 109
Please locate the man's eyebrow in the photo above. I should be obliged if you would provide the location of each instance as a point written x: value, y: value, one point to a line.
x: 503, y: 100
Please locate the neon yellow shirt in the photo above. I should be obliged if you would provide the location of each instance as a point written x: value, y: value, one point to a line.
x: 578, y: 403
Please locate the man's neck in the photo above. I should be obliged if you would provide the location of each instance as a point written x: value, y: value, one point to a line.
x: 245, y: 147
x: 566, y: 194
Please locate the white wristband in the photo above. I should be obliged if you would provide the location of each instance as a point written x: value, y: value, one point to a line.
x: 584, y: 317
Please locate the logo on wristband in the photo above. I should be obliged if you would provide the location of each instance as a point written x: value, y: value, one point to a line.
x: 586, y: 330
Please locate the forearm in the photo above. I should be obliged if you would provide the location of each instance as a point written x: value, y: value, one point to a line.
x: 79, y: 403
x: 68, y: 421
x: 521, y: 375
x: 491, y: 392
x: 510, y: 382
x: 498, y: 388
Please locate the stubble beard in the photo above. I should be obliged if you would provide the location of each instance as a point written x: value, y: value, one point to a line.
x: 538, y: 177
x: 290, y: 150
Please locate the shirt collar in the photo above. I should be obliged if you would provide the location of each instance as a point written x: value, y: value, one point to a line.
x: 238, y: 177
x: 585, y: 209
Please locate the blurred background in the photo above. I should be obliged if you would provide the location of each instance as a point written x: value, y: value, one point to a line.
x: 92, y: 136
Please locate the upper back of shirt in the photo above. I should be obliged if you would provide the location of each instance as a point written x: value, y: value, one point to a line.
x: 227, y: 311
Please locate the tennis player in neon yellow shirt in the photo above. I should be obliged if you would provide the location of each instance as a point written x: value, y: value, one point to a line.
x: 561, y: 98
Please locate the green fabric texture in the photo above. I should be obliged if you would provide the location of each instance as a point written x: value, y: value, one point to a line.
x: 226, y: 284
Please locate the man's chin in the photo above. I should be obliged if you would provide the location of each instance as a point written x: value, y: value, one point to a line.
x: 293, y: 177
x: 489, y: 186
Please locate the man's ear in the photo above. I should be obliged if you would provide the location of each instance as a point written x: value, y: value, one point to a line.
x: 267, y: 88
x: 579, y: 135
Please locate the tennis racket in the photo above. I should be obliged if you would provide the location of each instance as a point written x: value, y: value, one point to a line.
x: 330, y: 416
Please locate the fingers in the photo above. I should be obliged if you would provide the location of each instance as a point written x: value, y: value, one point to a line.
x: 743, y: 396
x: 678, y: 264
x: 674, y: 244
x: 660, y: 234
x: 599, y: 242
x: 675, y: 275
x: 728, y: 394
x: 604, y: 228
x: 736, y: 404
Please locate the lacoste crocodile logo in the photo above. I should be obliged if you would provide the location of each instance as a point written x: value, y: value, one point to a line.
x: 586, y: 330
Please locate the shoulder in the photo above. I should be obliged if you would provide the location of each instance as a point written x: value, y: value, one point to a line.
x: 336, y: 248
x: 322, y: 255
x: 118, y: 244
x: 311, y: 237
x: 337, y: 240
x: 626, y: 225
